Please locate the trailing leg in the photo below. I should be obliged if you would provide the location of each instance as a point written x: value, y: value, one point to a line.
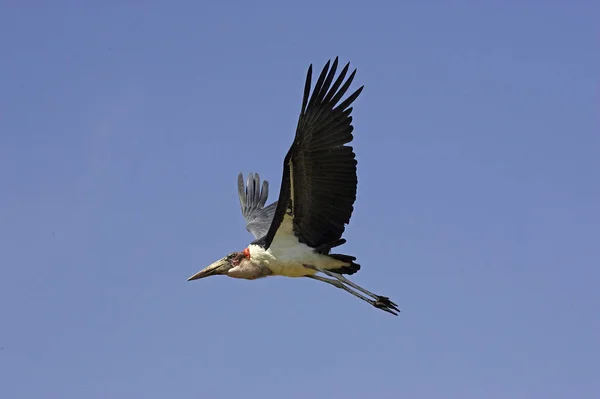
x: 380, y: 302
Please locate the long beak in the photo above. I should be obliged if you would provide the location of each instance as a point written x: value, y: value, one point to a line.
x: 219, y: 267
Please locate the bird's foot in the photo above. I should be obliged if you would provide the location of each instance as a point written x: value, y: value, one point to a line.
x: 384, y: 303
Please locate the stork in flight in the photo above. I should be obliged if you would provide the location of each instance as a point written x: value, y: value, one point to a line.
x: 295, y: 235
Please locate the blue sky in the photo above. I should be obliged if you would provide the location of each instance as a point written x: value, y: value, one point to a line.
x: 123, y: 128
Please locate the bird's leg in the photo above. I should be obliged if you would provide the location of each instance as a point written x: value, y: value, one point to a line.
x: 350, y: 283
x: 339, y: 284
x: 381, y: 302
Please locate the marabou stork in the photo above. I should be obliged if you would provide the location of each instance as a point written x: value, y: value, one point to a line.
x: 295, y: 235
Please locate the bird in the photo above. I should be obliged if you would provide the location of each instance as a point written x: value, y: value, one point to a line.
x: 294, y: 235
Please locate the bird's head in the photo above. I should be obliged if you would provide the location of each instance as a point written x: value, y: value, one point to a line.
x: 223, y: 265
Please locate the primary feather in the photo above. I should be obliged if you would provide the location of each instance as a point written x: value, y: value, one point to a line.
x: 253, y: 198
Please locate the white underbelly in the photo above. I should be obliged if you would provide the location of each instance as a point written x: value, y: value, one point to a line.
x: 287, y: 257
x: 290, y: 270
x: 290, y: 261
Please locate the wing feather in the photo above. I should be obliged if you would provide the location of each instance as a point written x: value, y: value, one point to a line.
x: 319, y: 179
x: 253, y: 198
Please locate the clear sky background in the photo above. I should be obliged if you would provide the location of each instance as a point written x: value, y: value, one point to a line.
x: 123, y: 127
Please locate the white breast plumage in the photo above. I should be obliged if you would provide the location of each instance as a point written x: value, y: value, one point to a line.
x: 286, y: 255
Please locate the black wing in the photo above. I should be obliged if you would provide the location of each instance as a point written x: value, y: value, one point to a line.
x: 319, y: 182
x: 252, y: 201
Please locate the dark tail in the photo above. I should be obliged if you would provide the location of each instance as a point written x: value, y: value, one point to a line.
x: 350, y: 269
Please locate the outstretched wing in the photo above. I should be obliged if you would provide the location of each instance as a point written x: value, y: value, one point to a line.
x: 252, y: 201
x: 319, y: 182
